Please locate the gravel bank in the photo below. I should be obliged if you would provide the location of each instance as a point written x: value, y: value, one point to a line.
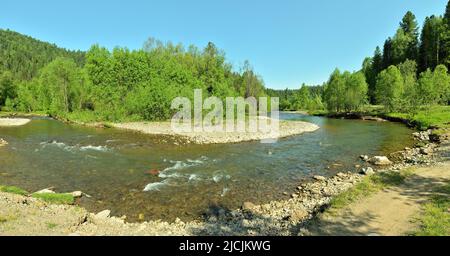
x: 287, y: 128
x: 13, y: 121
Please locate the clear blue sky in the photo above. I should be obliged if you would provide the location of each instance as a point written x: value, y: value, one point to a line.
x: 287, y: 42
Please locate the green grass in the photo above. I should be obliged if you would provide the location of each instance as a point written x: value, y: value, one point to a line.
x: 435, y: 219
x: 51, y: 225
x: 55, y: 198
x: 13, y: 190
x: 427, y: 117
x: 366, y: 187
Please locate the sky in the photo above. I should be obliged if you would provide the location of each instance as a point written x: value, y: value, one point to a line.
x: 288, y: 42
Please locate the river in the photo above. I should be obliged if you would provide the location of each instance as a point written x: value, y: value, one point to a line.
x: 112, y: 165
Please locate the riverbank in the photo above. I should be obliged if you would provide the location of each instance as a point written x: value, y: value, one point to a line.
x: 279, y: 218
x: 286, y: 129
x: 11, y: 122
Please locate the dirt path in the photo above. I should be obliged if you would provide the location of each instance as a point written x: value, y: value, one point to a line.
x: 390, y: 212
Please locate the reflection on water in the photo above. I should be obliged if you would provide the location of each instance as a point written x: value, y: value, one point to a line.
x: 134, y: 174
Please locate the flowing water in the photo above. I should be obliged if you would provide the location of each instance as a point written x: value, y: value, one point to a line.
x: 113, y: 165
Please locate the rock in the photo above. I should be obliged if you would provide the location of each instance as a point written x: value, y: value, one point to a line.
x: 364, y: 157
x: 367, y: 171
x: 380, y: 160
x: 153, y: 172
x: 141, y: 217
x: 77, y: 194
x: 426, y: 151
x: 285, y: 193
x: 3, y: 142
x: 319, y: 178
x: 45, y: 191
x: 341, y: 175
x: 103, y: 214
x: 246, y: 206
x: 298, y: 215
x: 294, y: 196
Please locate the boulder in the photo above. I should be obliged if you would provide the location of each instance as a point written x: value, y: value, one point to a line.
x: 380, y: 160
x: 45, y: 191
x: 246, y: 206
x: 77, y: 194
x: 367, y: 171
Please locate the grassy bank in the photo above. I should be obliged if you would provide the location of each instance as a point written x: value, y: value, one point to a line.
x: 435, y: 219
x: 54, y: 198
x: 424, y: 118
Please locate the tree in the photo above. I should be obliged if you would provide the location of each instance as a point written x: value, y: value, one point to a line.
x: 387, y: 54
x: 61, y: 83
x: 411, y: 29
x: 441, y: 82
x: 355, y: 91
x: 7, y: 87
x: 333, y: 94
x: 431, y: 41
x: 389, y: 88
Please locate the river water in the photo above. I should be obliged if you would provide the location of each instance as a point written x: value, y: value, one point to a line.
x: 112, y: 165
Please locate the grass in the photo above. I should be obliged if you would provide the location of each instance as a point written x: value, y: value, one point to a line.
x: 55, y: 198
x: 13, y: 190
x: 51, y: 225
x: 427, y: 117
x: 366, y: 187
x: 435, y: 219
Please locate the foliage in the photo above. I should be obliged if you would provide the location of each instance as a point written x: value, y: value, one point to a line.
x: 55, y: 198
x: 13, y: 190
x: 346, y: 91
x: 435, y: 219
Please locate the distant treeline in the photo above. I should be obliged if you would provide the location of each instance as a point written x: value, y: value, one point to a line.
x: 411, y: 70
x: 114, y: 85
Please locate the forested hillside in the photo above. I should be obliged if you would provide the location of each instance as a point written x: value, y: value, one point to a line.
x: 410, y: 70
x: 115, y: 85
x: 24, y: 56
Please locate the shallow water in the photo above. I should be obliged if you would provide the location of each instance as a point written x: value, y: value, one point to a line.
x: 112, y: 165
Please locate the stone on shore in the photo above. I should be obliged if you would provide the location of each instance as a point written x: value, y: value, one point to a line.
x: 246, y: 206
x: 45, y: 191
x: 380, y: 160
x: 319, y: 178
x: 103, y: 214
x: 77, y: 194
x: 3, y: 142
x: 367, y: 171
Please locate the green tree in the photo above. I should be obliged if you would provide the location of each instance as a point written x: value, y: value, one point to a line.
x: 389, y: 88
x: 356, y: 89
x: 431, y: 43
x: 7, y: 87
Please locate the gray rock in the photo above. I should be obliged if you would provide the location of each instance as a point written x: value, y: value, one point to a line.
x: 45, y: 191
x: 380, y: 160
x: 77, y: 194
x: 246, y: 206
x: 367, y: 171
x: 319, y: 178
x: 103, y: 214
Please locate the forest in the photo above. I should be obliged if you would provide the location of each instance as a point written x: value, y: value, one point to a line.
x: 115, y: 85
x: 410, y: 71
